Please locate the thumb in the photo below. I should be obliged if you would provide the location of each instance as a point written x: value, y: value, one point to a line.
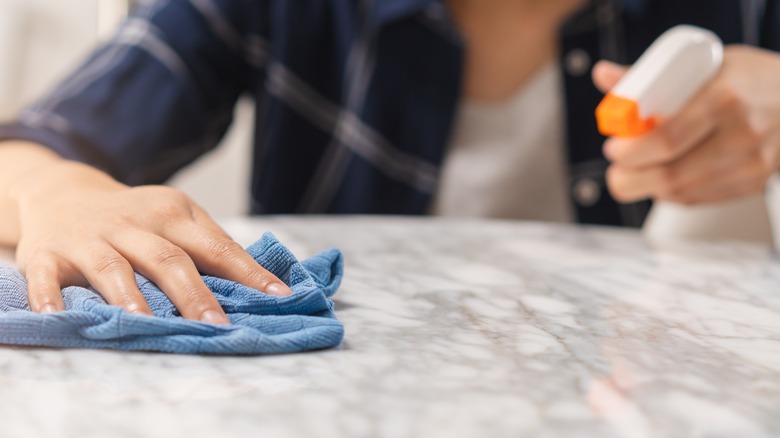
x: 606, y: 74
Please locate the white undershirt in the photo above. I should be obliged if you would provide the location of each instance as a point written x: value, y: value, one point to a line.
x: 507, y: 160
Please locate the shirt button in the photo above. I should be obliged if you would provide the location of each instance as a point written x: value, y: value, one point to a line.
x: 587, y: 192
x: 577, y: 62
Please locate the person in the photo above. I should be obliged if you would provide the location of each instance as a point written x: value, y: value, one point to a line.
x: 366, y: 106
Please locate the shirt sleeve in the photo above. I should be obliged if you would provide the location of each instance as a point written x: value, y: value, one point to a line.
x: 770, y: 29
x: 156, y: 96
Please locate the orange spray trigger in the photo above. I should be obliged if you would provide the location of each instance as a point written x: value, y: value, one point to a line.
x: 665, y: 77
x: 619, y: 117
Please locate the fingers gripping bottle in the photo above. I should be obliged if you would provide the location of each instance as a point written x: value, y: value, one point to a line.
x: 672, y: 70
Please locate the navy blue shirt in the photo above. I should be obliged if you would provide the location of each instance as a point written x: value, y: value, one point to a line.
x: 355, y: 98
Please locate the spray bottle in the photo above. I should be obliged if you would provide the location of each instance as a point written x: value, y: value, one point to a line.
x: 672, y: 70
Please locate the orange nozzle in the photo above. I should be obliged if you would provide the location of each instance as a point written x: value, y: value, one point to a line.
x: 619, y: 117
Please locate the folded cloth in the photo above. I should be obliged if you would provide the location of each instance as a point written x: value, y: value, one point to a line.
x: 261, y: 323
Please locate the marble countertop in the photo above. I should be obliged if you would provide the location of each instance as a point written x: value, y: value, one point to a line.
x: 458, y: 329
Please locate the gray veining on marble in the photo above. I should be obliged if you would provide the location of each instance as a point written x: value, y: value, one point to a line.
x: 458, y: 329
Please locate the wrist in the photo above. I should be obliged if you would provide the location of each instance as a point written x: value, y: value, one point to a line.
x: 49, y: 180
x: 18, y: 159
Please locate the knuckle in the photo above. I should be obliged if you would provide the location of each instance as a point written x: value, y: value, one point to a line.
x: 169, y: 212
x: 172, y: 195
x: 168, y: 256
x: 122, y: 219
x: 258, y: 277
x: 728, y: 100
x: 221, y: 248
x: 108, y: 264
x: 168, y: 204
x: 125, y: 291
x: 194, y: 298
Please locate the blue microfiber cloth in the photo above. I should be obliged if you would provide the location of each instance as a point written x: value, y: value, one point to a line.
x: 261, y: 324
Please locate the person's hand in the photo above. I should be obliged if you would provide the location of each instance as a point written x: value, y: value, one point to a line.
x: 78, y: 227
x: 724, y: 144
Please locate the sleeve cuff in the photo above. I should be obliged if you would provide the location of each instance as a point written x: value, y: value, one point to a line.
x: 61, y: 144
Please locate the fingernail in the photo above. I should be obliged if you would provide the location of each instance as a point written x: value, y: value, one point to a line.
x: 278, y: 289
x: 214, y: 317
x: 49, y: 308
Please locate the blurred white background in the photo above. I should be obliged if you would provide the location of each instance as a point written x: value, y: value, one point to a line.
x: 41, y: 40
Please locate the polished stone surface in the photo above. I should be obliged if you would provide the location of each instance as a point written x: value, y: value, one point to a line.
x: 458, y: 329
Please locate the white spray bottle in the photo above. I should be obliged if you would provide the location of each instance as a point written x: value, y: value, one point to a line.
x: 676, y: 66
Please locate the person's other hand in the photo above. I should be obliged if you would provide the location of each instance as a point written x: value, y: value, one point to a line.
x: 80, y: 227
x: 724, y: 144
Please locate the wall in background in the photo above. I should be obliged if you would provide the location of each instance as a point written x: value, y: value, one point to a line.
x: 39, y: 41
x: 42, y: 40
